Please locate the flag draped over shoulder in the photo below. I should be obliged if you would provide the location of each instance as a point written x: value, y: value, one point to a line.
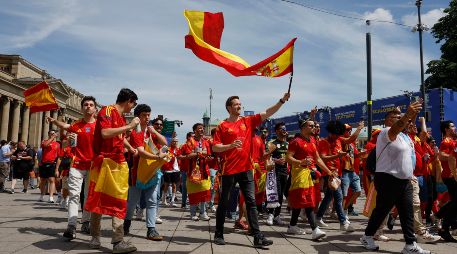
x: 204, y: 38
x: 40, y: 98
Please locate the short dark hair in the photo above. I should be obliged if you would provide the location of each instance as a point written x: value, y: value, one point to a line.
x: 88, y: 98
x: 126, y: 95
x: 195, y: 126
x: 229, y: 100
x: 52, y: 130
x: 278, y: 125
x: 445, y: 125
x: 302, y: 123
x: 140, y: 108
x: 213, y: 131
x: 155, y: 120
x: 189, y: 134
x: 335, y: 127
x: 3, y: 142
x: 391, y: 112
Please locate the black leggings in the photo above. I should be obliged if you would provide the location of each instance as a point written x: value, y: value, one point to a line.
x: 309, y: 214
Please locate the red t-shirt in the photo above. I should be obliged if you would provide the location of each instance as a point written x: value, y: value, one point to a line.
x: 447, y: 146
x: 191, y: 147
x: 214, y: 160
x: 50, y: 152
x: 83, y: 151
x: 186, y: 148
x: 65, y: 153
x: 237, y: 160
x: 419, y: 169
x: 169, y: 165
x: 302, y: 149
x: 328, y: 148
x: 258, y: 149
x: 112, y: 148
x: 136, y: 140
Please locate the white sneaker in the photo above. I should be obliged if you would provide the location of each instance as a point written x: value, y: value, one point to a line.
x: 270, y: 220
x: 427, y: 237
x: 415, y: 249
x: 51, y: 200
x: 381, y: 237
x: 368, y: 243
x: 204, y: 217
x: 295, y: 230
x: 41, y: 199
x: 346, y: 226
x: 194, y: 218
x: 173, y: 204
x: 139, y: 214
x: 346, y: 214
x: 94, y: 243
x: 317, y: 234
x: 277, y: 220
x: 321, y: 224
x: 213, y: 209
x: 159, y: 220
x: 454, y: 232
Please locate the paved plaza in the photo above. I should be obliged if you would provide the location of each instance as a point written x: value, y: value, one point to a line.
x: 29, y: 226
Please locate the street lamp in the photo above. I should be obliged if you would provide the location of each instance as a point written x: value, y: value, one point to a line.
x: 419, y: 27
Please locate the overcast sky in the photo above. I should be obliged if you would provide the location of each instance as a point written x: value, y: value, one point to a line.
x: 98, y: 47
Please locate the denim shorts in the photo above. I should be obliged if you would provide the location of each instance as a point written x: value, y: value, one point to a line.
x: 350, y: 179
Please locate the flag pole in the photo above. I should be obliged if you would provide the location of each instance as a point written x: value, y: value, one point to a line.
x: 290, y: 80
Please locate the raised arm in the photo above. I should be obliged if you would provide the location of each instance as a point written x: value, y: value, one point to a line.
x: 354, y: 135
x: 61, y: 125
x: 273, y: 109
x: 412, y: 111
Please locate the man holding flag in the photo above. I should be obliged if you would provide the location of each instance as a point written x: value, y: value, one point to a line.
x: 108, y: 186
x: 233, y: 139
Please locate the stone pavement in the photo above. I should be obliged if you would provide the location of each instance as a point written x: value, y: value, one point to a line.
x: 29, y: 226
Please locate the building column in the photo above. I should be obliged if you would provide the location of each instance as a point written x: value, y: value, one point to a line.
x: 55, y: 115
x: 6, y: 101
x: 46, y: 124
x: 36, y: 121
x: 16, y: 115
x: 25, y: 124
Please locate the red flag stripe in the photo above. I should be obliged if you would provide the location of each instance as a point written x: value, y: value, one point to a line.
x: 36, y: 88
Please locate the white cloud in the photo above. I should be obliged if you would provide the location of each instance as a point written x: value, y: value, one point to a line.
x: 379, y: 14
x: 430, y: 18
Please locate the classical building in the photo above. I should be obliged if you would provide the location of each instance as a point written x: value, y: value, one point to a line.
x: 17, y: 123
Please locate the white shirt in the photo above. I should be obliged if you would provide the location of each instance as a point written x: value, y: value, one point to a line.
x: 398, y: 158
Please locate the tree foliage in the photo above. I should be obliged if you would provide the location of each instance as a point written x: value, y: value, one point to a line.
x: 443, y: 72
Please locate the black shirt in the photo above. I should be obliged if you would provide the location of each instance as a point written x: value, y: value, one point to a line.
x: 21, y: 165
x: 280, y: 152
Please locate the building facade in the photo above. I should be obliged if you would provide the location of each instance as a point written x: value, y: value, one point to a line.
x: 17, y: 123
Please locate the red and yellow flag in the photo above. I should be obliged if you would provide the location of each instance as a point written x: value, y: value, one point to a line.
x: 108, y: 187
x: 40, y: 98
x: 204, y: 38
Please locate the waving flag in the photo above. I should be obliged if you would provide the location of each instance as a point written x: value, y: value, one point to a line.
x: 40, y: 98
x: 205, y: 32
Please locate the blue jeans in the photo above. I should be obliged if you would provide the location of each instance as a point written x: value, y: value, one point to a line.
x: 337, y: 199
x: 151, y: 204
x: 184, y: 188
x: 423, y: 191
x: 193, y: 209
x: 350, y: 179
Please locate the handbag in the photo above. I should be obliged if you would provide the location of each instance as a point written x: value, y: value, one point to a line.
x: 334, y: 183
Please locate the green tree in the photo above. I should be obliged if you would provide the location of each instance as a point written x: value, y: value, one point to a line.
x: 443, y: 72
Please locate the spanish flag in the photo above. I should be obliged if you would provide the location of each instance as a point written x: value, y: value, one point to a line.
x: 40, y: 98
x: 108, y: 187
x: 301, y: 192
x: 204, y: 38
